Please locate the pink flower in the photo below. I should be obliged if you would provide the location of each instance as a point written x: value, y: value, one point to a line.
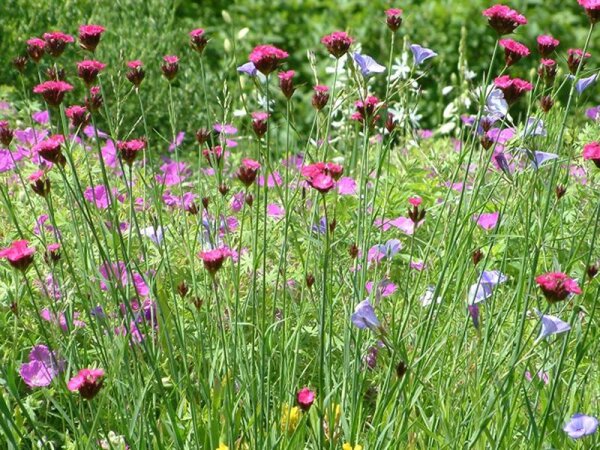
x: 87, y: 382
x: 36, y: 48
x: 393, y: 18
x: 18, y: 254
x: 346, y: 186
x: 286, y: 83
x: 576, y: 59
x: 42, y: 367
x: 591, y: 152
x: 512, y: 88
x: 266, y: 58
x: 78, y: 115
x: 513, y: 51
x: 337, y: 43
x: 415, y: 201
x: 53, y: 91
x: 89, y: 36
x: 100, y: 197
x: 320, y: 97
x: 89, y: 69
x: 130, y: 149
x: 248, y: 171
x: 504, y: 19
x: 487, y: 221
x: 198, y: 40
x: 305, y: 398
x: 592, y: 9
x: 260, y: 123
x: 275, y: 211
x: 170, y: 67
x: 546, y: 45
x: 173, y: 173
x: 556, y: 286
x: 136, y: 72
x: 50, y: 149
x: 56, y: 42
x: 213, y: 259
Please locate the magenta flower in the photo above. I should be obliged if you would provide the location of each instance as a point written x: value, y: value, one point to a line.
x: 557, y: 286
x: 260, y: 122
x: 36, y: 48
x: 393, y: 18
x: 56, y: 42
x: 6, y: 133
x: 198, y: 40
x: 546, y: 45
x: 89, y: 69
x: 320, y: 97
x: 591, y: 152
x: 170, y: 66
x: 504, y: 19
x: 248, y: 171
x: 267, y: 58
x: 322, y: 176
x: 592, y: 9
x: 364, y: 316
x: 135, y: 73
x: 173, y: 173
x: 576, y: 58
x: 512, y: 88
x: 53, y: 91
x: 513, y: 51
x: 19, y: 254
x: 131, y: 149
x: 213, y: 259
x: 78, y: 116
x: 337, y: 43
x: 305, y: 398
x: 50, y: 149
x: 286, y: 83
x: 99, y: 196
x: 487, y: 221
x: 42, y: 367
x: 89, y: 36
x: 87, y: 382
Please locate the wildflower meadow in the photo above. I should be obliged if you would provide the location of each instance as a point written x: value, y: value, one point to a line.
x: 217, y: 238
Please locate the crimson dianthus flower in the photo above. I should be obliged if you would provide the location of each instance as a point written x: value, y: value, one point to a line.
x: 592, y: 9
x: 576, y: 58
x: 260, y: 123
x: 130, y: 149
x: 286, y: 83
x: 248, y: 171
x: 320, y: 97
x: 213, y: 259
x: 393, y: 18
x: 547, y: 70
x: 337, y: 43
x: 40, y: 183
x: 89, y: 36
x: 50, y: 149
x: 305, y: 398
x: 512, y: 88
x: 198, y: 40
x: 6, y: 133
x: 56, y: 42
x: 322, y: 176
x: 36, y: 48
x: 78, y: 115
x: 591, y: 152
x: 89, y: 69
x: 136, y: 72
x: 557, y: 286
x: 266, y: 58
x: 87, y: 382
x: 19, y: 254
x: 53, y: 91
x: 504, y: 19
x: 170, y: 66
x: 547, y: 44
x: 513, y: 51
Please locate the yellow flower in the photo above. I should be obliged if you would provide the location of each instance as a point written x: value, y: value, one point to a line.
x: 222, y: 446
x: 290, y: 417
x: 348, y: 446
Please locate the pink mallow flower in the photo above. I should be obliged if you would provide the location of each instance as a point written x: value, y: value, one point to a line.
x: 42, y: 367
x: 87, y: 382
x: 487, y: 221
x: 99, y: 196
x: 557, y: 286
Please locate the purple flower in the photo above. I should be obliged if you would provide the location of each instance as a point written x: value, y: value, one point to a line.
x: 584, y: 83
x: 367, y: 65
x: 387, y: 250
x: 346, y: 186
x: 152, y: 233
x: 177, y: 141
x: 581, y: 425
x: 421, y: 54
x: 225, y: 128
x: 534, y: 127
x: 593, y: 113
x: 173, y: 173
x: 551, y: 325
x: 483, y: 289
x: 249, y: 69
x: 540, y: 158
x: 41, y: 117
x: 42, y: 367
x: 99, y: 196
x: 487, y: 221
x: 364, y: 316
x: 383, y: 289
x: 495, y: 105
x: 474, y: 313
x: 275, y: 211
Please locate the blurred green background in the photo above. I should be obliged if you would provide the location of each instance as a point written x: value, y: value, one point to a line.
x: 147, y: 30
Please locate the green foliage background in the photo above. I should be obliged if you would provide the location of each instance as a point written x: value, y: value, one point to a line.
x: 147, y: 30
